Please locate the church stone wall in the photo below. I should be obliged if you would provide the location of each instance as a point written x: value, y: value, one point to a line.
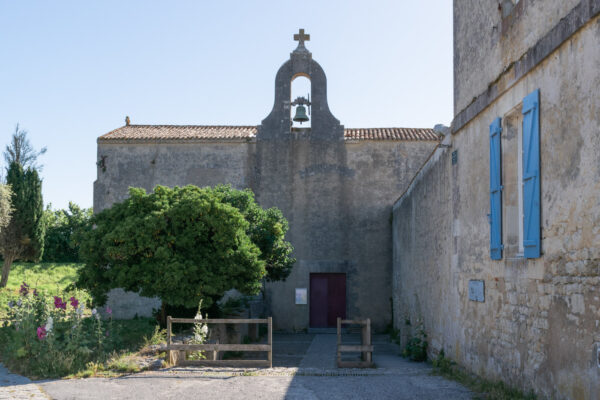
x: 337, y: 197
x: 539, y: 326
x: 146, y: 165
x: 338, y: 200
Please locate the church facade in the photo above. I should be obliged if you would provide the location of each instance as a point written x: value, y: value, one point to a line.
x: 336, y: 186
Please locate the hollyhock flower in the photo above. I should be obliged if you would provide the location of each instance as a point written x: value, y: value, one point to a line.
x: 59, y: 303
x: 74, y: 302
x: 41, y: 332
x: 35, y: 292
x: 24, y: 291
x: 49, y: 324
x: 108, y: 310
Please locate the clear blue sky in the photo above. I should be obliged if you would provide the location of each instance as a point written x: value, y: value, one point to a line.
x: 71, y: 70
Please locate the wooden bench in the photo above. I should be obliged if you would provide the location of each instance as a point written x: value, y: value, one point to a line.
x: 176, y: 352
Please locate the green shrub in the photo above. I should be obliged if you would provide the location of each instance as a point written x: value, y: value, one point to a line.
x: 416, y: 347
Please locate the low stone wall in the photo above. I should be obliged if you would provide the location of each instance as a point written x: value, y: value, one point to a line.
x: 127, y: 305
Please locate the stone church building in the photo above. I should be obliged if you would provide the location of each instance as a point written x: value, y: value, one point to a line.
x: 335, y: 185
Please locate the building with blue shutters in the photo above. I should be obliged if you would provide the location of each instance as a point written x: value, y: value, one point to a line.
x: 497, y: 240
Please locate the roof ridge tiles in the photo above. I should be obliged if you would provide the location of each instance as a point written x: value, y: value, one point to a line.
x: 135, y: 132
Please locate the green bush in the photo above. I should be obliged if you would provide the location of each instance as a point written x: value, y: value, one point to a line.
x: 416, y: 347
x: 185, y: 245
x: 63, y: 229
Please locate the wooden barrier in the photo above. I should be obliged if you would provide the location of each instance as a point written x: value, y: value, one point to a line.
x: 176, y: 352
x: 365, y: 348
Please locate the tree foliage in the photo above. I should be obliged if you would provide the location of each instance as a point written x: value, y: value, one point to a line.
x: 63, y: 228
x: 21, y: 152
x: 23, y: 237
x: 184, y: 245
x: 5, y: 206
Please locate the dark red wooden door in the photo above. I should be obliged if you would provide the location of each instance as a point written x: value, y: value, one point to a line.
x: 327, y: 299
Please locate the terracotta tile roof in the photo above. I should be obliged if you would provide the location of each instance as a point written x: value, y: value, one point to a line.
x: 213, y: 132
x: 390, y: 134
x: 179, y: 132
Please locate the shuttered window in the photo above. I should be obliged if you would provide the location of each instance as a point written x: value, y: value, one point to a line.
x: 531, y: 175
x: 495, y: 216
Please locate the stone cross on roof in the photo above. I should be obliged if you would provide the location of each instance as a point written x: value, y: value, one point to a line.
x: 301, y: 37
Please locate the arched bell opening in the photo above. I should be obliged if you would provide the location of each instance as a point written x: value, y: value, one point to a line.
x: 300, y: 110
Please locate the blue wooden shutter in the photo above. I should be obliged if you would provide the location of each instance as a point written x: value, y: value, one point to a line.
x: 531, y: 175
x: 495, y: 216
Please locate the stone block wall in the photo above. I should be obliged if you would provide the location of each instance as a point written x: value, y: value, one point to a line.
x: 539, y: 326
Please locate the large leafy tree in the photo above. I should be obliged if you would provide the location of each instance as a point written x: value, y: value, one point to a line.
x: 63, y: 228
x: 23, y: 237
x: 184, y: 245
x: 267, y: 229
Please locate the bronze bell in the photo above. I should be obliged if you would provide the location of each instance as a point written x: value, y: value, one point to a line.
x: 301, y: 114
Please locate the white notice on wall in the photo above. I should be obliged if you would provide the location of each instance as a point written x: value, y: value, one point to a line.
x: 301, y: 296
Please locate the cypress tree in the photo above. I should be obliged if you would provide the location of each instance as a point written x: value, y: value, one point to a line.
x: 23, y: 238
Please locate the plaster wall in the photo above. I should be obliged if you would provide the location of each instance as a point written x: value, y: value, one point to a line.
x: 539, y: 325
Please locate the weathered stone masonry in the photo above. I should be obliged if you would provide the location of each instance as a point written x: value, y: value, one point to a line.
x: 539, y: 326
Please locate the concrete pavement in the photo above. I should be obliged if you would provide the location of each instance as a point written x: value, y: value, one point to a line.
x: 304, y: 368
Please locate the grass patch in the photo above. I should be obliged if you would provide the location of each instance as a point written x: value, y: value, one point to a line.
x: 52, y: 278
x: 484, y: 388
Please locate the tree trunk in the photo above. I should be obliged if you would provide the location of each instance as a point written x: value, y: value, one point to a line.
x: 8, y: 260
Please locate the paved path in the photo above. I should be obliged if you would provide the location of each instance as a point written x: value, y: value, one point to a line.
x: 303, y: 369
x: 18, y: 387
x: 321, y: 353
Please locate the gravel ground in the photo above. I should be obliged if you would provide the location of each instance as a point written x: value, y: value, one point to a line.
x: 420, y: 386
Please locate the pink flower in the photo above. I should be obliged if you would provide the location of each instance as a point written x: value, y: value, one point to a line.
x: 41, y: 332
x: 108, y: 310
x: 59, y: 303
x: 74, y: 302
x: 24, y: 289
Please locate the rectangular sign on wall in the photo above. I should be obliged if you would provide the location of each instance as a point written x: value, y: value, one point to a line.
x: 476, y: 291
x: 301, y: 296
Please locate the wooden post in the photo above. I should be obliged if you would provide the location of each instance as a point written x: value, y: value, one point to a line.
x: 368, y: 340
x: 339, y: 340
x: 270, y: 342
x: 169, y: 352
